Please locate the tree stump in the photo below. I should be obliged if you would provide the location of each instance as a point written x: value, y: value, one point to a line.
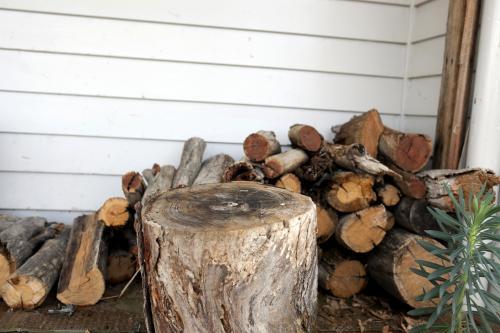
x: 232, y: 257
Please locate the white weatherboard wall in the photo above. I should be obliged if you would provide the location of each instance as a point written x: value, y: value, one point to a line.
x: 92, y: 89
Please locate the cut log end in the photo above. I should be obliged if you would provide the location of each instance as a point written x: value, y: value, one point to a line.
x: 133, y: 187
x: 327, y: 221
x: 114, y: 212
x: 6, y: 267
x: 305, y: 137
x: 351, y: 192
x: 85, y: 290
x: 289, y: 182
x: 389, y: 195
x: 121, y: 266
x: 258, y: 146
x: 348, y: 279
x: 24, y: 292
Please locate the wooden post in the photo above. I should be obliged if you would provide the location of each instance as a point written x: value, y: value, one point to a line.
x: 231, y: 257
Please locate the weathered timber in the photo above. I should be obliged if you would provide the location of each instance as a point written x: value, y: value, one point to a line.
x: 243, y: 171
x: 364, y: 129
x: 282, y: 163
x: 327, y: 220
x: 305, y: 137
x: 133, y: 187
x: 6, y: 221
x: 391, y: 262
x: 319, y: 163
x: 148, y: 176
x: 162, y: 182
x: 289, y: 182
x: 350, y: 192
x: 82, y: 280
x: 388, y: 194
x: 260, y: 145
x: 191, y: 159
x: 360, y: 232
x: 413, y: 215
x: 212, y: 170
x: 115, y: 212
x: 230, y: 248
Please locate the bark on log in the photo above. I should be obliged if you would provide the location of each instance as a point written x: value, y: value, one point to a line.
x: 148, y: 176
x: 350, y: 192
x: 133, y: 187
x: 469, y: 180
x: 7, y: 221
x: 319, y: 163
x: 364, y: 129
x: 29, y: 286
x: 341, y: 275
x: 353, y: 157
x: 409, y: 151
x: 327, y: 220
x: 243, y: 171
x: 389, y: 195
x: 162, y: 182
x: 192, y: 157
x: 282, y: 163
x: 115, y: 212
x: 212, y: 170
x: 413, y: 215
x: 360, y: 232
x: 289, y: 182
x: 391, y: 262
x: 82, y: 280
x: 121, y: 266
x: 18, y: 242
x: 258, y: 146
x: 409, y: 184
x: 231, y: 249
x: 305, y: 137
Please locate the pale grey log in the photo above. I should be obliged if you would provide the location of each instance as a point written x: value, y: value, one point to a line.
x: 148, y: 175
x: 212, y: 170
x: 192, y: 157
x: 162, y: 182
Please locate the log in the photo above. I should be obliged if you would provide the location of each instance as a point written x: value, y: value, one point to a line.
x: 409, y: 184
x: 7, y: 221
x: 327, y: 220
x: 243, y: 171
x: 212, y: 170
x: 391, y: 262
x: 148, y: 176
x: 469, y: 180
x: 354, y: 157
x: 389, y: 195
x: 342, y: 276
x: 413, y: 215
x: 364, y: 129
x: 133, y: 187
x: 360, y: 232
x: 162, y: 182
x: 260, y: 145
x: 192, y: 156
x: 319, y: 163
x: 30, y: 284
x: 350, y: 192
x: 282, y: 163
x: 245, y: 254
x: 82, y: 280
x: 121, y: 266
x: 305, y: 137
x: 18, y: 243
x: 409, y: 151
x: 289, y: 182
x: 115, y: 212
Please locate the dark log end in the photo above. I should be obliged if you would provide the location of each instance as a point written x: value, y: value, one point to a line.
x: 256, y: 147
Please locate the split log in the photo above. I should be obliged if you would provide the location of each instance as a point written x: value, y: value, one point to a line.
x: 192, y: 157
x: 469, y: 180
x: 114, y: 212
x: 342, y: 276
x: 305, y: 137
x: 243, y: 171
x: 258, y: 146
x: 18, y: 243
x: 391, y: 262
x: 413, y: 215
x: 389, y: 195
x: 353, y: 157
x: 29, y: 286
x: 251, y: 242
x: 282, y: 163
x: 409, y: 151
x: 350, y: 192
x: 289, y: 182
x: 162, y: 182
x: 327, y: 220
x: 121, y: 266
x: 133, y: 187
x: 360, y: 232
x: 319, y: 163
x: 212, y: 170
x: 82, y: 280
x: 364, y: 129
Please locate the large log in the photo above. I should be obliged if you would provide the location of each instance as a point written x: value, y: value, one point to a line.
x: 341, y: 275
x: 319, y: 163
x: 364, y: 129
x: 162, y: 182
x: 413, y: 215
x: 350, y: 192
x: 82, y: 280
x: 305, y: 137
x: 212, y: 170
x: 409, y: 151
x: 391, y: 262
x: 289, y: 182
x: 470, y: 181
x: 245, y: 254
x: 360, y: 232
x: 115, y: 212
x: 327, y: 220
x: 133, y: 187
x: 28, y: 287
x: 191, y: 159
x: 258, y: 146
x: 282, y: 163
